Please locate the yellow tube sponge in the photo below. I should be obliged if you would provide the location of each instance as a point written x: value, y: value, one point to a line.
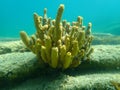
x: 25, y: 38
x: 43, y: 53
x: 67, y: 43
x: 54, y: 57
x: 81, y: 39
x: 48, y: 45
x: 67, y: 60
x: 59, y: 15
x: 45, y: 17
x: 75, y: 48
x: 58, y: 31
x: 62, y: 53
x: 37, y: 21
x: 57, y: 43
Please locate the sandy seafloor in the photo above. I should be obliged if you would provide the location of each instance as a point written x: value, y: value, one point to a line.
x: 102, y: 73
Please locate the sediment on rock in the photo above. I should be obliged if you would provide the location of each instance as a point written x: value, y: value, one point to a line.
x: 102, y: 58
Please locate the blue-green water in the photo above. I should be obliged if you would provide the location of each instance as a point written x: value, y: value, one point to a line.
x: 17, y: 15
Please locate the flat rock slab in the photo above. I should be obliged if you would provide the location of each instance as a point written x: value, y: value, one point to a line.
x: 13, y: 65
x: 17, y: 65
x: 12, y: 46
x: 106, y: 56
x: 89, y: 81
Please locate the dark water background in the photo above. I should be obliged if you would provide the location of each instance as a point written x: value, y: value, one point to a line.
x: 17, y: 15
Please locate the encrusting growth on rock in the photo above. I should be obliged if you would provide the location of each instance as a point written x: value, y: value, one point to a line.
x: 59, y: 44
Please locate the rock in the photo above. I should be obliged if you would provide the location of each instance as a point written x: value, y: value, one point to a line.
x: 106, y: 39
x: 108, y: 56
x: 104, y: 57
x: 95, y: 74
x: 88, y: 81
x: 15, y: 65
x: 12, y: 46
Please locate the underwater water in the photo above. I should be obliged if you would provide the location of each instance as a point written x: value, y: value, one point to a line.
x: 17, y: 15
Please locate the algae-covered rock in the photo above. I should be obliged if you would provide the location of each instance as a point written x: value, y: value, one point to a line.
x: 10, y: 46
x: 88, y: 81
x: 15, y: 65
x: 99, y: 72
x: 106, y: 39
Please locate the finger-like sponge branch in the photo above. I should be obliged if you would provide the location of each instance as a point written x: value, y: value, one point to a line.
x: 54, y: 57
x: 25, y: 38
x: 58, y: 30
